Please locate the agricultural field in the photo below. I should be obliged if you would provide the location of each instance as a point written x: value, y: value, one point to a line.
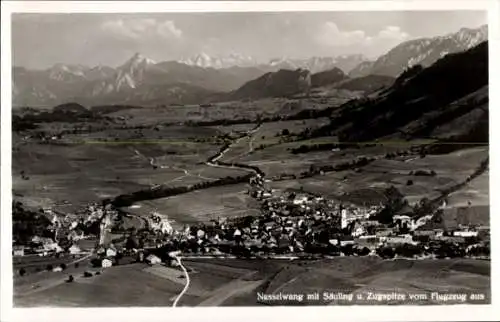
x: 223, y: 110
x: 268, y: 135
x: 201, y: 206
x: 278, y: 159
x: 366, y: 185
x: 236, y: 282
x: 459, y: 211
x: 73, y: 174
x: 102, y: 159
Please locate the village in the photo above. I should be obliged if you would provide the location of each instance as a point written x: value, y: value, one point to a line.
x: 291, y: 225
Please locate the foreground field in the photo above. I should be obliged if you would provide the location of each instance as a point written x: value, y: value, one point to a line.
x: 235, y: 282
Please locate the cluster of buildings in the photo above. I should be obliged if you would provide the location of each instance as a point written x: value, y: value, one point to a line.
x: 298, y: 223
x: 289, y: 223
x: 46, y: 246
x: 157, y: 222
x: 68, y: 231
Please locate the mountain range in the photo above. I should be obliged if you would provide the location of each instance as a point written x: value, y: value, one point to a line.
x: 447, y: 100
x: 206, y: 61
x: 141, y: 80
x: 313, y: 64
x: 423, y: 51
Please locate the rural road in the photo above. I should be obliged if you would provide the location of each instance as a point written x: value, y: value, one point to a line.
x: 188, y: 281
x: 186, y: 172
x: 214, y: 161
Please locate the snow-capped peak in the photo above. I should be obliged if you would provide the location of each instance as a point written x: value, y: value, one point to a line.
x: 137, y: 60
x: 131, y: 73
x: 206, y: 61
x: 319, y: 64
x: 64, y: 72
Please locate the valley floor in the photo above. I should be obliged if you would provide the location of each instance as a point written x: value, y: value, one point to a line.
x: 66, y: 176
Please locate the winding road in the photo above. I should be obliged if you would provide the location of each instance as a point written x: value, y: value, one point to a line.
x: 188, y: 281
x: 186, y: 172
x: 214, y: 161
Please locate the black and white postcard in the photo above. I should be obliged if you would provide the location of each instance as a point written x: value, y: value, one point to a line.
x: 237, y: 154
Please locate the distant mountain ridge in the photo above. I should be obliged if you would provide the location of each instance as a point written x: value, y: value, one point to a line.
x: 327, y: 77
x: 232, y: 60
x: 313, y: 64
x: 423, y: 51
x: 320, y: 64
x: 282, y: 83
x: 137, y: 77
x: 140, y: 80
x: 421, y: 99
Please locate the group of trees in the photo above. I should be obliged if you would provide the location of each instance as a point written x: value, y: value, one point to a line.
x: 394, y: 203
x: 26, y: 224
x: 314, y: 147
x: 423, y: 173
x: 402, y: 250
x: 49, y: 267
x: 392, y: 155
x: 30, y: 120
x: 162, y: 192
x: 107, y: 109
x: 440, y: 250
x: 300, y: 115
x: 483, y: 250
x: 314, y: 170
x: 423, y: 208
x: 444, y: 250
x: 20, y: 124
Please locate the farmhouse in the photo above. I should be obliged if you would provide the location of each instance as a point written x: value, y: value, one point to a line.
x: 111, y: 252
x: 465, y: 233
x: 382, y: 232
x: 357, y: 229
x: 76, y: 234
x: 333, y: 242
x: 74, y: 249
x: 368, y: 222
x: 152, y: 259
x: 51, y: 246
x: 369, y: 241
x: 300, y: 200
x: 106, y: 263
x: 266, y: 195
x: 346, y: 240
x: 424, y: 232
x: 401, y: 239
x: 18, y: 250
x: 452, y: 239
x: 401, y: 218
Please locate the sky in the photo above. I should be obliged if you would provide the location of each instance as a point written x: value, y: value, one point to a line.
x: 42, y: 40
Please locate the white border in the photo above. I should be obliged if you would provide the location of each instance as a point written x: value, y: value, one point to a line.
x: 372, y: 313
x: 241, y: 6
